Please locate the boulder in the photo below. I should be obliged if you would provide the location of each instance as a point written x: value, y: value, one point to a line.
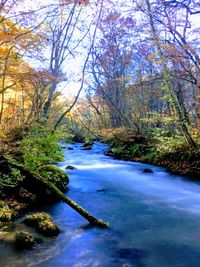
x: 43, y: 223
x: 147, y: 170
x: 87, y: 146
x: 69, y: 167
x: 6, y: 214
x: 47, y: 228
x: 24, y: 240
x: 101, y: 190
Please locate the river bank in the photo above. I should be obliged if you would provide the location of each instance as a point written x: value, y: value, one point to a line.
x: 178, y: 159
x: 23, y: 191
x: 20, y: 196
x: 179, y: 162
x: 154, y: 217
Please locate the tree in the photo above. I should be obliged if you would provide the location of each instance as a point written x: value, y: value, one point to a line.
x: 15, y: 41
x: 89, y: 52
x: 111, y: 66
x: 63, y: 26
x: 166, y: 77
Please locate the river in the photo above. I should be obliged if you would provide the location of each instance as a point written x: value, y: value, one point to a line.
x: 154, y: 217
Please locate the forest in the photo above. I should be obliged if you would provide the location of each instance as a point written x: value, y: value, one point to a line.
x: 125, y: 74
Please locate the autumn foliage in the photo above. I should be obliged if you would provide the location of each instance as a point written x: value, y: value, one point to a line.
x: 140, y: 75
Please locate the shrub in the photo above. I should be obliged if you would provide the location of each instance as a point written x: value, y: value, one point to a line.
x: 40, y: 149
x: 135, y: 150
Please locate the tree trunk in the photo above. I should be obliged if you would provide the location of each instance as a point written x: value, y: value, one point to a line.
x: 48, y: 103
x: 36, y: 177
x: 166, y: 80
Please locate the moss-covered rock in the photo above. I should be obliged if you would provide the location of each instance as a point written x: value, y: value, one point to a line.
x: 55, y: 175
x: 47, y: 228
x: 24, y: 239
x: 34, y: 218
x: 17, y: 207
x: 43, y: 223
x: 6, y: 213
x: 3, y: 204
x: 87, y: 146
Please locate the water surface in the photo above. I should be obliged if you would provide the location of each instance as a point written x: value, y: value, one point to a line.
x: 154, y: 218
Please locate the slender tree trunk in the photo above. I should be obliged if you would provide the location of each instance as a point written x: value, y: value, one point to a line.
x: 47, y: 104
x: 3, y: 83
x: 2, y: 107
x: 180, y: 99
x: 83, y: 72
x: 181, y: 120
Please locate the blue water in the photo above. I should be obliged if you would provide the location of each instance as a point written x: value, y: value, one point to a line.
x: 154, y: 217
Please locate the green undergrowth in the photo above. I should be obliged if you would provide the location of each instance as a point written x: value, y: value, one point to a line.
x: 158, y: 147
x: 181, y: 160
x: 10, y: 177
x: 55, y: 175
x: 36, y: 151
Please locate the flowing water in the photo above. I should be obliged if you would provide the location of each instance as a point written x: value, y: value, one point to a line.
x: 154, y: 218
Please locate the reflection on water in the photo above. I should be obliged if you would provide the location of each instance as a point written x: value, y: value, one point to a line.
x: 154, y: 218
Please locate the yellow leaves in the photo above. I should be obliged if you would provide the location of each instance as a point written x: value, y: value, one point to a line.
x: 13, y: 35
x: 8, y: 28
x: 3, y: 51
x: 8, y: 54
x: 194, y: 131
x: 69, y: 115
x: 151, y: 57
x: 44, y: 27
x: 5, y: 25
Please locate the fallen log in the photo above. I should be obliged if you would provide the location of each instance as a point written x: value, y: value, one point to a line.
x: 49, y: 185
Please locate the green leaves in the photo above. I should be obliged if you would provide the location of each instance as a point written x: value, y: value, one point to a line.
x: 40, y: 149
